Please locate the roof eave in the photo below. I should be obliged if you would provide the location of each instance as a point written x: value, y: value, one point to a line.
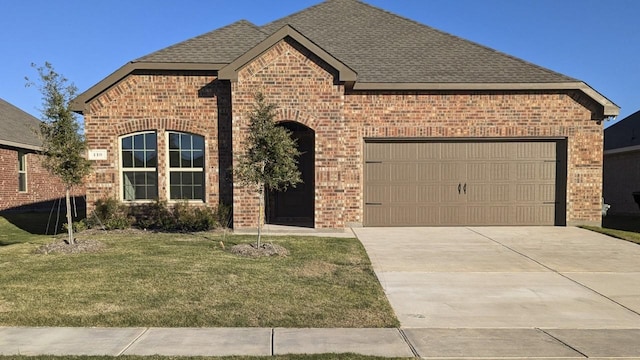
x: 610, y: 109
x: 20, y: 145
x: 230, y: 72
x: 79, y: 103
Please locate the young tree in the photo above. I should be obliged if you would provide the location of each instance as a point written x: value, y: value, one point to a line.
x: 62, y: 144
x: 270, y: 161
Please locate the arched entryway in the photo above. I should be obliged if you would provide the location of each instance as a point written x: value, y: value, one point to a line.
x: 295, y: 206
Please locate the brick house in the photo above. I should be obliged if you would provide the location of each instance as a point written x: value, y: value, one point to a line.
x: 24, y: 183
x: 400, y: 124
x: 621, y: 175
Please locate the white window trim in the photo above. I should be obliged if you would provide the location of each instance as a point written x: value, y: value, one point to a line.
x: 122, y: 169
x: 22, y: 160
x: 170, y: 169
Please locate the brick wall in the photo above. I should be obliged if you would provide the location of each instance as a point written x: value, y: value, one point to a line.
x: 305, y: 90
x: 42, y: 187
x: 179, y: 101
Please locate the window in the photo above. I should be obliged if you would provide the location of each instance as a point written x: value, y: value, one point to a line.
x: 139, y: 166
x: 22, y: 171
x: 186, y: 166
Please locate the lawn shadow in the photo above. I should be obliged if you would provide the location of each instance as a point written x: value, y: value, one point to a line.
x: 43, y: 218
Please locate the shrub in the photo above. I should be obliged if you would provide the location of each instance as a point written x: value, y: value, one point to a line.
x: 159, y: 215
x: 110, y: 214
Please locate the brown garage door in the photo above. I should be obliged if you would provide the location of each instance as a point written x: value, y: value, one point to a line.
x: 460, y: 183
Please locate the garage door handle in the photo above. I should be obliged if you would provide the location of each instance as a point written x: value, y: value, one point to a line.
x: 459, y: 187
x: 465, y: 188
x: 372, y: 203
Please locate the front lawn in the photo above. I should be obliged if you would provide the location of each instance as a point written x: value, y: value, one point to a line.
x: 188, y: 280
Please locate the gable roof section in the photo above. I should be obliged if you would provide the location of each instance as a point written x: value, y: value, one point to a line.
x: 623, y: 135
x: 383, y: 50
x: 230, y: 72
x: 18, y: 128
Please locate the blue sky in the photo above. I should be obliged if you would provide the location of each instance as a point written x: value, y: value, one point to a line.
x: 596, y: 41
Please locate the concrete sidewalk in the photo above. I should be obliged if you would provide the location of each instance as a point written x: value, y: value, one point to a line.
x: 416, y: 342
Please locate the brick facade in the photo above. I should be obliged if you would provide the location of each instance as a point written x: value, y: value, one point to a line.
x: 306, y: 91
x: 42, y: 187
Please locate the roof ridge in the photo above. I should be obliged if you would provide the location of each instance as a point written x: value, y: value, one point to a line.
x: 295, y: 13
x: 195, y: 38
x: 547, y: 70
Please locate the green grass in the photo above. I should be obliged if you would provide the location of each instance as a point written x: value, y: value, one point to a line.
x: 621, y: 227
x: 158, y: 357
x: 188, y: 280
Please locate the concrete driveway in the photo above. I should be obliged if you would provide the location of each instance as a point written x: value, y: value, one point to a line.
x: 558, y: 291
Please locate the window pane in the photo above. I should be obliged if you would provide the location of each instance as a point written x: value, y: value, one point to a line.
x: 138, y: 159
x: 152, y: 178
x: 150, y: 140
x: 127, y: 159
x: 127, y: 143
x: 174, y: 141
x: 140, y: 192
x: 152, y: 159
x: 185, y: 140
x: 138, y: 141
x: 198, y: 178
x: 174, y: 178
x: 198, y: 159
x: 174, y: 159
x: 198, y: 142
x: 22, y: 182
x: 22, y: 164
x: 175, y: 192
x: 128, y: 186
x: 197, y: 193
x: 187, y: 178
x: 152, y: 192
x: 186, y: 159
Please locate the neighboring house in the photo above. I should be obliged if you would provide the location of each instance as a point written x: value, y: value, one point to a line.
x: 621, y: 175
x: 399, y: 124
x: 24, y: 183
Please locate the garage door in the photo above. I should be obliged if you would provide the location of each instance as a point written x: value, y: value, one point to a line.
x: 460, y: 183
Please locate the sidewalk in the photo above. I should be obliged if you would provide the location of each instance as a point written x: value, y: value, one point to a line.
x: 413, y: 342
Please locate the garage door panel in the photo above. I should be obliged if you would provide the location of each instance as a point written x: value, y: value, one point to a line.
x: 402, y: 194
x: 402, y: 215
x: 427, y: 172
x: 488, y: 215
x: 488, y: 193
x: 376, y: 216
x: 428, y: 194
x: 403, y: 152
x: 377, y: 173
x: 534, y: 214
x: 402, y: 172
x: 378, y: 194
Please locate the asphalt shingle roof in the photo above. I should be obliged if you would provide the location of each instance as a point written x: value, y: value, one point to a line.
x: 18, y: 127
x: 379, y: 46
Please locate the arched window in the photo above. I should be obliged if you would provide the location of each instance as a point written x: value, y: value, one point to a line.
x: 139, y: 166
x: 186, y: 166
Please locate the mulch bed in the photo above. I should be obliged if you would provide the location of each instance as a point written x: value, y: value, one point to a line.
x: 265, y: 250
x: 80, y: 246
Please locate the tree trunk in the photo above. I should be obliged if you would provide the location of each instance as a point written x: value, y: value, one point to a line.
x: 69, y: 217
x: 260, y: 212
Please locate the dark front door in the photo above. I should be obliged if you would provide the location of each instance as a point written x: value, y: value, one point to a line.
x: 295, y: 206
